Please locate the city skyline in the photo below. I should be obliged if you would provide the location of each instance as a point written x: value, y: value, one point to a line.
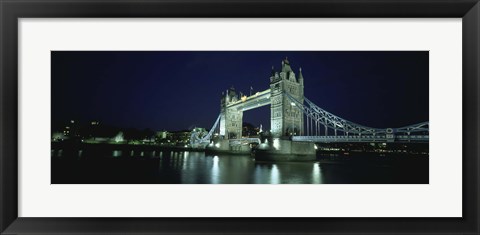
x: 181, y: 90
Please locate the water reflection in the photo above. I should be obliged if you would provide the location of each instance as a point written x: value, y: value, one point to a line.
x: 288, y: 173
x: 215, y: 176
x: 274, y: 175
x: 181, y: 167
x: 117, y: 153
x: 195, y: 168
x: 316, y: 175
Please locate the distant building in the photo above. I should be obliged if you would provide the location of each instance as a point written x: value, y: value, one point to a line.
x: 173, y: 138
x: 248, y: 130
x: 161, y: 135
x: 71, y: 130
x: 58, y: 136
x: 180, y: 137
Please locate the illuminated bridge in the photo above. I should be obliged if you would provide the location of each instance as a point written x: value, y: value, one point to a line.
x: 296, y: 118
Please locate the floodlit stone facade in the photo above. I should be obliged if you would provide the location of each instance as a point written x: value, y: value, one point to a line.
x: 286, y: 117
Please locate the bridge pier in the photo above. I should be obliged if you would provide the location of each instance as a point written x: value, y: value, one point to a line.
x: 285, y: 150
x: 224, y: 146
x: 276, y: 150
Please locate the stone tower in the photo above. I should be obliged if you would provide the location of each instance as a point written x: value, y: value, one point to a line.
x: 286, y: 117
x: 231, y: 118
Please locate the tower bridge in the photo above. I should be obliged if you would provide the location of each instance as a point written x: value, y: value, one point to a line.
x: 286, y: 119
x: 296, y: 122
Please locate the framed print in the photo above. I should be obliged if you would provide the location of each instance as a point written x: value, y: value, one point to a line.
x: 239, y: 117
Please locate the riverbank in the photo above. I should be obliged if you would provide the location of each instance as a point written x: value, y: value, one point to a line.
x: 78, y: 149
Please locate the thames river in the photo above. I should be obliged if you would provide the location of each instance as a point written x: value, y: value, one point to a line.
x: 183, y: 167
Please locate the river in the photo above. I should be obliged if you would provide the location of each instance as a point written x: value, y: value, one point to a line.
x: 183, y: 167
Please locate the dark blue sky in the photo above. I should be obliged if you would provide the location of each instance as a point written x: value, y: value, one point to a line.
x: 178, y: 90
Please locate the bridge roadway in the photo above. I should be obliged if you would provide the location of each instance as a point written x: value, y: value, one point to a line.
x: 342, y: 139
x: 256, y: 100
x: 366, y: 138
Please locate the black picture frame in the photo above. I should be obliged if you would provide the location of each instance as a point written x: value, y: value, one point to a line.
x: 12, y: 10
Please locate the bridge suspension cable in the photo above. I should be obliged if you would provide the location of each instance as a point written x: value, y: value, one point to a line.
x: 199, y: 137
x: 316, y: 117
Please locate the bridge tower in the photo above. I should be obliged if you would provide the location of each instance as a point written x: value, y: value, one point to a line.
x: 286, y: 119
x: 231, y: 118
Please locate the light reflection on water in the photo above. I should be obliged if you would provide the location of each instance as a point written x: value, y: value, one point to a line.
x: 274, y: 175
x: 215, y: 175
x: 195, y: 167
x: 316, y: 176
x: 179, y: 167
x: 117, y: 153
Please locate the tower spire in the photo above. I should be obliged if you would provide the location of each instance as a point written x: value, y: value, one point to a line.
x: 300, y: 75
x: 286, y: 65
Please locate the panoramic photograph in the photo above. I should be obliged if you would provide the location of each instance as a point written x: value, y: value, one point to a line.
x: 240, y: 117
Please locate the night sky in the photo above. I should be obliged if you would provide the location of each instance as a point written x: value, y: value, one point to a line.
x: 171, y: 90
